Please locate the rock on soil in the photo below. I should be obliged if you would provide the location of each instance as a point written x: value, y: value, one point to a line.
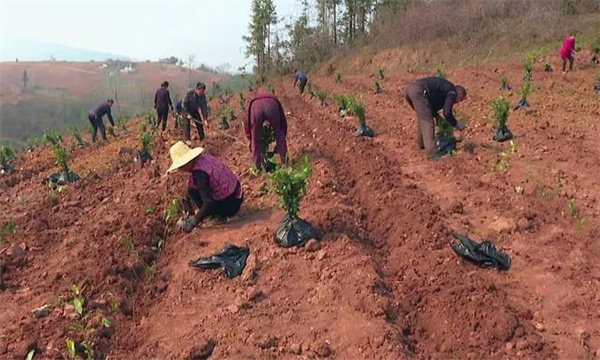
x: 312, y: 245
x: 204, y: 351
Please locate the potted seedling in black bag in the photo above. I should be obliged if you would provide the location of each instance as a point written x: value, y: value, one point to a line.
x: 7, y: 152
x: 378, y: 89
x: 445, y: 139
x: 61, y: 160
x: 548, y: 68
x: 381, y: 73
x: 500, y: 112
x: 146, y: 139
x: 289, y: 184
x: 357, y: 108
x: 525, y: 91
x: 338, y: 77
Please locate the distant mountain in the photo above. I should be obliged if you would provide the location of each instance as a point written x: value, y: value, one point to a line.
x: 35, y: 50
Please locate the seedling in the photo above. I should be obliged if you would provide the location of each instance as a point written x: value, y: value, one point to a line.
x: 52, y: 138
x: 267, y: 137
x: 71, y: 348
x: 6, y: 154
x: 500, y: 112
x: 78, y: 298
x: 90, y: 130
x: 289, y: 184
x: 170, y: 216
x: 148, y: 269
x: 378, y: 89
x: 572, y: 208
x: 343, y: 104
x: 381, y: 73
x: 321, y: 94
x: 338, y: 77
x: 146, y: 139
x: 32, y: 144
x: 89, y: 349
x: 151, y: 117
x: 121, y: 121
x: 106, y: 323
x: 77, y: 136
x: 505, y: 85
x: 357, y: 108
x: 224, y: 123
x: 144, y: 126
x: 311, y: 91
x: 111, y: 131
x: 528, y: 70
x: 440, y: 72
x: 62, y: 155
x: 150, y: 210
x: 581, y: 223
x: 242, y: 102
x: 525, y: 91
x: 271, y: 89
x: 11, y: 226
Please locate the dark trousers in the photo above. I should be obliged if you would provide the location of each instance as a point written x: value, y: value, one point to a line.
x: 97, y: 124
x: 266, y: 110
x: 161, y: 116
x: 187, y: 125
x: 415, y: 96
x: 302, y: 85
x: 570, y: 59
x: 225, y: 208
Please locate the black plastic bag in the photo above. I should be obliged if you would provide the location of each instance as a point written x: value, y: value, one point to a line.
x: 505, y: 87
x: 231, y: 258
x: 365, y: 131
x: 268, y: 165
x: 294, y: 231
x: 502, y: 133
x: 224, y: 126
x: 446, y: 144
x: 61, y: 178
x: 145, y: 156
x: 548, y: 68
x: 484, y: 254
x: 597, y: 87
x: 521, y: 104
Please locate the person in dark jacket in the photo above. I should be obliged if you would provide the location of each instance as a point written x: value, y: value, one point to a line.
x: 427, y: 96
x: 95, y: 117
x: 301, y: 79
x: 212, y: 186
x: 196, y: 109
x: 162, y: 103
x: 265, y: 107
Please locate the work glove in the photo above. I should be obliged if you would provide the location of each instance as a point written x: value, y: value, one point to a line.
x: 460, y: 125
x: 188, y: 224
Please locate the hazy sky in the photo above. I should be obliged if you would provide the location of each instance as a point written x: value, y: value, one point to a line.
x: 211, y: 30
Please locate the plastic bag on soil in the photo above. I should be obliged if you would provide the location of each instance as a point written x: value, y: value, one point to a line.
x: 365, y: 131
x: 483, y: 254
x: 224, y: 126
x: 502, y: 133
x: 231, y: 258
x: 521, y: 104
x: 61, y: 178
x: 446, y: 144
x: 597, y: 87
x: 145, y: 156
x: 294, y: 232
x: 6, y: 169
x: 267, y: 163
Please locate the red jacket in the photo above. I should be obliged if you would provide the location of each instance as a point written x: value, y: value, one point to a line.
x: 568, y: 47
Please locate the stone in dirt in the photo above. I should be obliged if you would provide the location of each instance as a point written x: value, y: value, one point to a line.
x: 312, y: 245
x: 456, y: 207
x: 203, y: 351
x: 524, y: 224
x: 323, y: 350
x: 41, y: 312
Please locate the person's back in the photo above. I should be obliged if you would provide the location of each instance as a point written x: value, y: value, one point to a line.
x: 437, y: 89
x: 265, y: 107
x: 100, y: 110
x: 162, y: 98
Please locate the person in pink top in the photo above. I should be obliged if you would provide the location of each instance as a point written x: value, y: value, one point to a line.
x: 212, y: 187
x: 265, y: 107
x: 567, y: 51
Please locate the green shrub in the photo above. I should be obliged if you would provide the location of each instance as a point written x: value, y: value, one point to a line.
x: 61, y: 155
x: 289, y: 184
x: 500, y: 111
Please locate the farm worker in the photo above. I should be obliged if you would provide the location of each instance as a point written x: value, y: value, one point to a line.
x: 301, y: 79
x: 566, y: 52
x: 194, y: 104
x: 162, y: 103
x: 212, y: 187
x: 179, y: 107
x: 265, y: 107
x: 95, y: 117
x: 427, y: 96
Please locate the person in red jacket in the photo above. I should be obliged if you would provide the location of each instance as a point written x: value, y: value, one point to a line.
x: 566, y: 52
x: 265, y: 107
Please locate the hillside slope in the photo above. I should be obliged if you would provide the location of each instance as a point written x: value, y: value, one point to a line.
x: 385, y: 284
x: 61, y: 93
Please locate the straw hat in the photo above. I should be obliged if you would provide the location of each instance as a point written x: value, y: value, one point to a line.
x: 182, y: 154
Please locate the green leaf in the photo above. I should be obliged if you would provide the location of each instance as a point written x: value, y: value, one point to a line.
x: 78, y: 303
x: 71, y: 347
x: 105, y: 322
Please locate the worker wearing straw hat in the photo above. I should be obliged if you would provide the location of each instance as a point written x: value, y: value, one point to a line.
x: 212, y: 186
